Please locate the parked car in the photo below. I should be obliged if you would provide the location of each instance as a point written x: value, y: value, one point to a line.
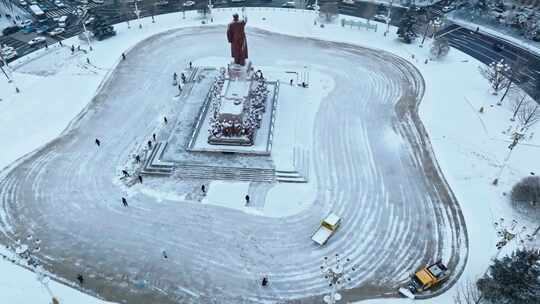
x: 9, y: 54
x: 348, y: 1
x: 37, y: 40
x: 26, y: 23
x: 28, y: 29
x: 59, y: 3
x: 42, y: 29
x: 446, y: 9
x: 56, y: 31
x: 23, y: 3
x: 98, y: 1
x: 188, y: 3
x: 289, y: 4
x: 10, y: 30
x: 89, y: 20
x: 381, y: 18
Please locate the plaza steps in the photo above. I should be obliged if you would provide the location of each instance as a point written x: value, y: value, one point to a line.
x: 193, y: 171
x: 154, y: 166
x: 290, y: 177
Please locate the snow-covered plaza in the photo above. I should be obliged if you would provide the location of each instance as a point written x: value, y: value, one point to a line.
x: 375, y: 138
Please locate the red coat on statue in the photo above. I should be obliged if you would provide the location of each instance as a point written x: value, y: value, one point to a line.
x: 237, y: 39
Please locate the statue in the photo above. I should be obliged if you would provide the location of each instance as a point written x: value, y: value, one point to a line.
x: 237, y: 39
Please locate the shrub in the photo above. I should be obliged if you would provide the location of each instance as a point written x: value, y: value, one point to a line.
x: 527, y: 191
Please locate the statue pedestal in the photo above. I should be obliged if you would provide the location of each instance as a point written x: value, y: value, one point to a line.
x: 239, y: 72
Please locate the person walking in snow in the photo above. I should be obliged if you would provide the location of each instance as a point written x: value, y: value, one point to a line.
x: 190, y: 65
x: 98, y: 143
x: 80, y: 279
x: 164, y: 254
x: 149, y: 144
x: 88, y: 60
x: 124, y: 202
x: 137, y: 158
x: 123, y: 56
x: 72, y: 49
x: 203, y: 189
x: 247, y: 199
x: 165, y: 119
x: 179, y: 89
x: 140, y: 179
x: 154, y: 136
x: 126, y: 174
x: 183, y: 78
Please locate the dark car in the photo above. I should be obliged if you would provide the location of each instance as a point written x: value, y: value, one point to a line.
x: 10, y: 30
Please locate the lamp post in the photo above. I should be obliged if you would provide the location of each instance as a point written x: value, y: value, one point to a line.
x: 388, y: 18
x: 84, y: 29
x: 335, y: 272
x: 138, y: 14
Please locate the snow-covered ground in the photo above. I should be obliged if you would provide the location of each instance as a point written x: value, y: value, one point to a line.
x: 469, y: 146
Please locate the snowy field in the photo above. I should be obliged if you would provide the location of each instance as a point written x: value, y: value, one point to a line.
x: 369, y: 156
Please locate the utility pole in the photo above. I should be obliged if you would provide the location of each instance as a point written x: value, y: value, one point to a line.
x: 84, y: 29
x: 138, y: 13
x: 388, y: 18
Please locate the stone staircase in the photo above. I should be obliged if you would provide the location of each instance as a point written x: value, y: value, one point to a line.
x: 290, y: 177
x: 153, y: 164
x: 194, y: 171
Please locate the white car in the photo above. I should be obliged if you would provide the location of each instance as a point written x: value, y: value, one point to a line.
x: 9, y: 55
x: 189, y: 3
x: 289, y: 4
x: 37, y: 40
x: 26, y: 23
x: 57, y: 31
x: 381, y: 18
x: 7, y: 49
x: 348, y: 1
x: 89, y: 20
x: 446, y: 9
x: 23, y: 3
x: 98, y: 1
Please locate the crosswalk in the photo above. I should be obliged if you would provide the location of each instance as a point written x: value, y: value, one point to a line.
x: 64, y: 11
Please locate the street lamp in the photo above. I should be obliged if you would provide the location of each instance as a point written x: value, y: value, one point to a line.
x: 335, y: 271
x: 388, y: 18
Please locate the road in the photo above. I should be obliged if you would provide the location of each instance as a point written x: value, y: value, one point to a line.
x: 372, y: 164
x: 482, y: 47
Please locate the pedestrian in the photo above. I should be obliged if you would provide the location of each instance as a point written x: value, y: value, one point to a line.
x: 179, y: 89
x: 290, y: 82
x: 137, y: 158
x: 72, y: 49
x: 140, y: 179
x: 164, y: 254
x: 165, y: 119
x: 183, y: 77
x: 264, y: 281
x: 88, y: 60
x: 175, y: 76
x: 149, y: 144
x: 247, y: 199
x: 203, y: 189
x: 477, y: 29
x: 60, y: 43
x: 78, y: 47
x: 123, y: 56
x: 190, y: 65
x: 154, y: 136
x: 80, y: 279
x: 98, y: 142
x: 46, y: 45
x: 124, y: 202
x: 126, y: 174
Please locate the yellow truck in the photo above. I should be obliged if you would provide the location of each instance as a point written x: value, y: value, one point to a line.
x: 327, y: 228
x: 425, y: 279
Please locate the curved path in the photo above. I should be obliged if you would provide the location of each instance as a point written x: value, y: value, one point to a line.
x: 371, y: 158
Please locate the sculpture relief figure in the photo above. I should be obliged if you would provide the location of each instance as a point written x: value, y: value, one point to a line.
x: 237, y: 39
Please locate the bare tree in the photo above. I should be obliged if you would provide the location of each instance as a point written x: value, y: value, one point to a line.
x: 468, y: 294
x: 496, y: 73
x: 513, y: 75
x: 518, y: 101
x: 529, y: 115
x: 328, y: 11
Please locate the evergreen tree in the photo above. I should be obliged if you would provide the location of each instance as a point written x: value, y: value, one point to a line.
x: 514, y: 279
x: 406, y: 27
